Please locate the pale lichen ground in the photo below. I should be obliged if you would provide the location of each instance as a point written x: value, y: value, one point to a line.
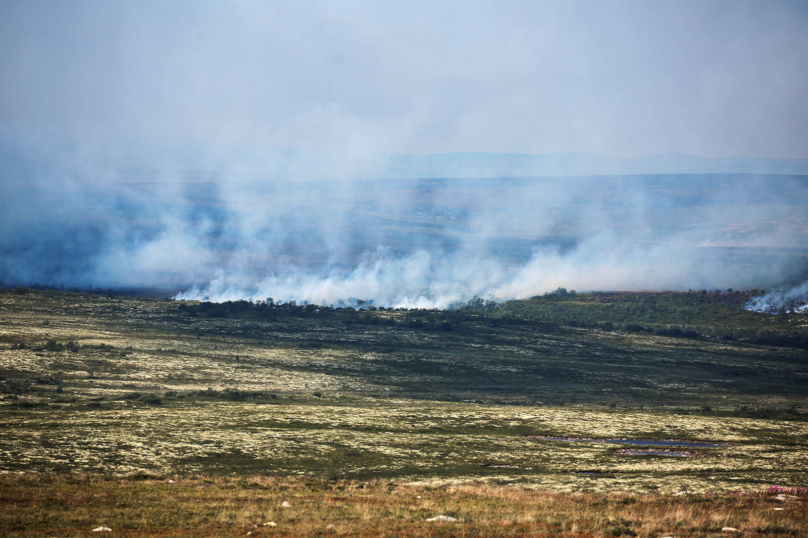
x: 423, y: 441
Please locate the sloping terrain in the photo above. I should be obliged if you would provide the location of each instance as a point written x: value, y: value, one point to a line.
x: 126, y: 385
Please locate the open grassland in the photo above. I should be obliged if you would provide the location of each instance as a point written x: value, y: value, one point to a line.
x: 531, y: 352
x: 425, y: 442
x: 253, y: 506
x: 300, y: 401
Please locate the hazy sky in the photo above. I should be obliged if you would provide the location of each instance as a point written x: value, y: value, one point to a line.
x: 717, y: 78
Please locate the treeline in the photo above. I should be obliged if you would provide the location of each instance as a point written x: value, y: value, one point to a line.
x: 148, y: 293
x: 271, y: 308
x: 729, y: 296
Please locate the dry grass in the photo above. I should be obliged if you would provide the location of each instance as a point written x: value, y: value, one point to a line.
x: 420, y: 410
x: 65, y: 505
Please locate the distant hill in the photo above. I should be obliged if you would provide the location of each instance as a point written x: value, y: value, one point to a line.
x: 478, y: 164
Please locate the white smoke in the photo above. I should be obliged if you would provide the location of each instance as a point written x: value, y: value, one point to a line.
x: 260, y: 149
x: 237, y: 234
x: 436, y: 279
x: 419, y: 280
x: 781, y: 300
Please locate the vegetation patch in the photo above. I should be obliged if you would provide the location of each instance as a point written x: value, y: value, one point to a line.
x: 128, y: 385
x: 37, y: 505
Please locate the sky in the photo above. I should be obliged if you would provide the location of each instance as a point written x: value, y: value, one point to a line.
x: 356, y: 79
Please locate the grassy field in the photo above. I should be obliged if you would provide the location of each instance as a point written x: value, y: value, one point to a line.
x: 253, y: 506
x: 243, y: 404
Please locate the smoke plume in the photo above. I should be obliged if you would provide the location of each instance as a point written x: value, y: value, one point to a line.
x: 71, y: 217
x: 781, y: 300
x: 413, y: 155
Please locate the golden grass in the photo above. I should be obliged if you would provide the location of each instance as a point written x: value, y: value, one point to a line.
x: 72, y: 505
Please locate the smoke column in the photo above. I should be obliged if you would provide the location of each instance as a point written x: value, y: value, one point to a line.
x: 221, y: 231
x: 781, y: 300
x: 410, y: 154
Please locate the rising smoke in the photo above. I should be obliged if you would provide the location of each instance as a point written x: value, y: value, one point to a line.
x: 781, y: 300
x: 310, y: 151
x: 227, y: 233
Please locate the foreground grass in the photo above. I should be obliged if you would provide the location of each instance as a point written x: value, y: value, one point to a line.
x: 37, y: 505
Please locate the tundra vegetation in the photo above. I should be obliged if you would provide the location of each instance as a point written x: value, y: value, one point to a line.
x: 499, y: 415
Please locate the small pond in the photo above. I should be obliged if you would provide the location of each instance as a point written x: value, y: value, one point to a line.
x: 635, y: 442
x: 661, y: 452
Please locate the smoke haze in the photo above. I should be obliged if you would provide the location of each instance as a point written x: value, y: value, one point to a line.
x: 409, y: 154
